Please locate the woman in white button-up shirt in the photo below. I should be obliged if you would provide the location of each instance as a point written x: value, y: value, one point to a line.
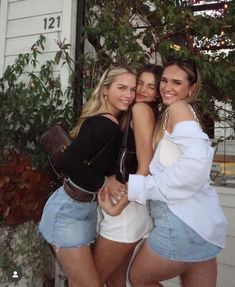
x: 189, y: 225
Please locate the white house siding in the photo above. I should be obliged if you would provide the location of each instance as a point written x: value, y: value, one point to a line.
x: 22, y: 21
x: 226, y: 259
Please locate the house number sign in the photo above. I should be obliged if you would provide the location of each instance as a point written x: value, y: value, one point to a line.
x: 51, y: 22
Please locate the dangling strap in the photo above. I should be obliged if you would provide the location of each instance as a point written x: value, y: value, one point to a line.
x: 166, y: 116
x: 193, y: 112
x: 89, y: 162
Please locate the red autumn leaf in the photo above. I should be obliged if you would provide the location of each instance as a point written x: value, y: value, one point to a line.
x: 19, y: 168
x: 2, y: 208
x: 8, y: 197
x: 27, y: 174
x: 23, y: 185
x: 15, y: 201
x: 4, y: 180
x: 2, y: 171
x: 23, y: 189
x: 6, y: 211
x: 30, y: 188
x: 16, y: 216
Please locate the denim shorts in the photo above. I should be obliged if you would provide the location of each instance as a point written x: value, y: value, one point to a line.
x: 173, y: 239
x: 67, y: 222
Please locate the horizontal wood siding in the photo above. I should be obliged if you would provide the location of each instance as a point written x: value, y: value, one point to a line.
x: 22, y: 21
x: 34, y: 25
x: 41, y: 58
x: 28, y: 8
x: 19, y: 45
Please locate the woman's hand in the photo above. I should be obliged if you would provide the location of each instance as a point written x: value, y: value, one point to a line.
x: 115, y: 188
x: 109, y: 204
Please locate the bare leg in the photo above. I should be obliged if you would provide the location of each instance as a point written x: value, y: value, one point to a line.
x: 148, y: 268
x: 78, y: 265
x: 109, y: 255
x: 118, y: 277
x: 201, y: 274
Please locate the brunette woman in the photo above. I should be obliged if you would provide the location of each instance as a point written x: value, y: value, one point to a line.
x: 189, y: 225
x: 120, y: 234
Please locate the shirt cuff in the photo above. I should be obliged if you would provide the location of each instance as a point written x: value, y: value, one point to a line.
x: 136, y: 190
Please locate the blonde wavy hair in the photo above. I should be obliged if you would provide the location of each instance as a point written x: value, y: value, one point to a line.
x: 96, y: 103
x: 189, y: 67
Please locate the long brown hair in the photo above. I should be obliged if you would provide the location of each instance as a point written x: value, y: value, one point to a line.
x: 189, y: 67
x: 156, y: 71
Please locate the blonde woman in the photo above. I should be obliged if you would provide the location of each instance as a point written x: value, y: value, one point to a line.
x: 189, y: 225
x: 69, y: 218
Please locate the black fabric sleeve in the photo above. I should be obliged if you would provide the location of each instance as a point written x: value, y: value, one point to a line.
x: 95, y: 133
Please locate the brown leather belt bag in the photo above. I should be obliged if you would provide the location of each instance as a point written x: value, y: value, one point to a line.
x: 79, y: 194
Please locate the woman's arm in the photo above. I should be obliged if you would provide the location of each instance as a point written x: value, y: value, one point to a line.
x: 143, y: 122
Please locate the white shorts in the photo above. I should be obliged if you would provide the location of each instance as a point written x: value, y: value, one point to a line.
x: 134, y: 223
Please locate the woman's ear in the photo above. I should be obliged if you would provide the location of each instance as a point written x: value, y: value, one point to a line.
x: 105, y: 91
x: 191, y: 89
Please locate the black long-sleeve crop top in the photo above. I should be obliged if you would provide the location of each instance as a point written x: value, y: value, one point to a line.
x: 94, y: 134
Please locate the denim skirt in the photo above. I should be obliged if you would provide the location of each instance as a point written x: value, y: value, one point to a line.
x: 173, y: 239
x: 68, y: 223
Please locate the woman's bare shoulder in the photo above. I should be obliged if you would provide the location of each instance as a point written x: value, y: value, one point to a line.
x: 179, y: 111
x: 141, y: 107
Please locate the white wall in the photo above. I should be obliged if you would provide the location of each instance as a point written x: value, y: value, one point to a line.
x: 22, y: 21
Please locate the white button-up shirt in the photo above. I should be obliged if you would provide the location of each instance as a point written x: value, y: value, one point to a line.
x: 180, y: 177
